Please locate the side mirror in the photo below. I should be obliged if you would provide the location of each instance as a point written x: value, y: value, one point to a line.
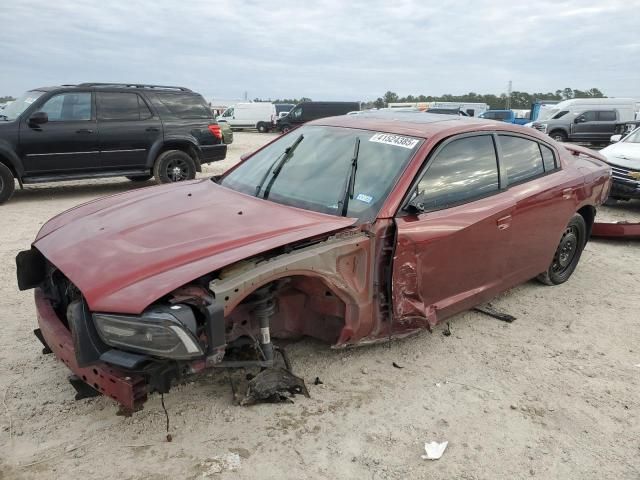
x: 580, y: 119
x: 38, y: 118
x: 415, y: 205
x: 615, y: 138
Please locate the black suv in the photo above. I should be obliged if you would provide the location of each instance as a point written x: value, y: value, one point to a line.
x: 106, y: 130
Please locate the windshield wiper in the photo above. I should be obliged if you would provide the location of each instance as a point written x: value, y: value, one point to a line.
x: 276, y: 168
x: 351, y: 181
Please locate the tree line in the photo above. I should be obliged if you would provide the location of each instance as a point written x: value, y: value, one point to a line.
x: 519, y: 100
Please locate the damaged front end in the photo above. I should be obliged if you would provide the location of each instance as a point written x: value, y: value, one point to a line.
x: 320, y: 288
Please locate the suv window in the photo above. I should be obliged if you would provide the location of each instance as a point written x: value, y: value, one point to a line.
x: 522, y: 158
x: 182, y: 105
x: 463, y: 170
x: 121, y: 106
x: 607, y: 116
x: 68, y: 107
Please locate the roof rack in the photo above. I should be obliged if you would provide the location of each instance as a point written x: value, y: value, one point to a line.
x: 133, y: 85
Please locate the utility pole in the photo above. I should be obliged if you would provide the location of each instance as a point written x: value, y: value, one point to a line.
x: 509, y: 96
x: 246, y: 94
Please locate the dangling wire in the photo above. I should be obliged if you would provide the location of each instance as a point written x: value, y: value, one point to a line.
x: 169, y: 438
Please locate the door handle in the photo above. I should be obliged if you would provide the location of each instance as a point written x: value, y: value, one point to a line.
x: 504, y: 222
x: 152, y: 129
x: 84, y: 130
x: 567, y: 193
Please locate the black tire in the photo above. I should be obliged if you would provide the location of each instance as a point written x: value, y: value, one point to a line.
x: 286, y: 128
x: 7, y: 183
x: 139, y: 178
x: 174, y: 166
x: 262, y: 127
x: 567, y: 255
x: 559, y: 136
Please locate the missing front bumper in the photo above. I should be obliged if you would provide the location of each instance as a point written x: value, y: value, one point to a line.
x: 129, y: 390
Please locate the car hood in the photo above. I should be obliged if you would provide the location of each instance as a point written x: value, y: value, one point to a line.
x: 623, y: 154
x: 125, y: 251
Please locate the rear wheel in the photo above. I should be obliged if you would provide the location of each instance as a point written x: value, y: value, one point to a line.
x: 7, y: 183
x: 559, y: 136
x: 568, y: 252
x: 262, y: 127
x: 139, y: 178
x: 174, y: 166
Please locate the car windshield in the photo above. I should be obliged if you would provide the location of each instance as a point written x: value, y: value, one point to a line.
x: 310, y: 169
x: 15, y: 108
x: 633, y: 137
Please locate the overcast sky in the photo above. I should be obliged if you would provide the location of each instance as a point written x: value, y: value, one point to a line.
x: 332, y: 50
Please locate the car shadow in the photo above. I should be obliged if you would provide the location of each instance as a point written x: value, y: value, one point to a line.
x: 68, y: 190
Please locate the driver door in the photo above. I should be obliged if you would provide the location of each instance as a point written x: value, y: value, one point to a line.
x: 452, y: 250
x: 67, y: 142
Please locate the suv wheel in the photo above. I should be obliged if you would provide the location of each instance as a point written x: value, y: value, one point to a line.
x: 558, y: 136
x: 174, y: 166
x: 139, y: 178
x: 7, y: 183
x: 286, y: 128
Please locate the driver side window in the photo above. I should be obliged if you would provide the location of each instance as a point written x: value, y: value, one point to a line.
x: 296, y: 113
x: 68, y: 107
x: 228, y: 113
x: 464, y: 170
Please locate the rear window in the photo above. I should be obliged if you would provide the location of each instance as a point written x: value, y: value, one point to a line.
x: 181, y: 105
x: 522, y: 158
x: 121, y: 106
x: 607, y: 116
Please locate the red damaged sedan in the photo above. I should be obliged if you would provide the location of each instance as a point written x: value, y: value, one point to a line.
x: 349, y: 229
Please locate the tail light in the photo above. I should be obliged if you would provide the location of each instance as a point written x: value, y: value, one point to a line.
x: 215, y: 131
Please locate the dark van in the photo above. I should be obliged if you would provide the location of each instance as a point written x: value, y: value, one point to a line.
x: 307, y: 111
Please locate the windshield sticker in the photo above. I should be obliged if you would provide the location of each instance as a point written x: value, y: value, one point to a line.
x: 364, y: 198
x: 397, y: 140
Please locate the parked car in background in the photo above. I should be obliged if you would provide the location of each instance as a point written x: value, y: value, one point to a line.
x: 585, y: 119
x: 624, y: 157
x: 350, y: 229
x: 307, y: 111
x: 258, y: 115
x: 507, y: 116
x: 283, y: 108
x: 95, y: 130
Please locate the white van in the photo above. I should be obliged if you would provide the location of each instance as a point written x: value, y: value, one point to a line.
x: 258, y: 115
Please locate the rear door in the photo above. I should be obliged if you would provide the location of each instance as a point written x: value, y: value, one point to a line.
x: 127, y: 128
x: 68, y: 142
x: 544, y: 201
x: 606, y: 124
x: 453, y: 252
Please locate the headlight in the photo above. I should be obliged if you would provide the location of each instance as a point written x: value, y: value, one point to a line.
x: 167, y: 331
x: 542, y: 127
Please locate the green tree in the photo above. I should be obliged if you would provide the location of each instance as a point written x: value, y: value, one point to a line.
x: 390, y: 97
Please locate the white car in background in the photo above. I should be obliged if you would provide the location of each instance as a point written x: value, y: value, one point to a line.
x: 624, y: 158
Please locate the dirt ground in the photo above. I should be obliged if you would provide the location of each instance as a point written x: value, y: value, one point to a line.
x: 554, y: 395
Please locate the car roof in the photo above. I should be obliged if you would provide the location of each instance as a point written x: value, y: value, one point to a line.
x: 421, y: 124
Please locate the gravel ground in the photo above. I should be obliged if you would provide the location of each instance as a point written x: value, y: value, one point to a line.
x: 554, y: 395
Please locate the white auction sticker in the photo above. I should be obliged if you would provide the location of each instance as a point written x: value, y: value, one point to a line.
x: 397, y: 140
